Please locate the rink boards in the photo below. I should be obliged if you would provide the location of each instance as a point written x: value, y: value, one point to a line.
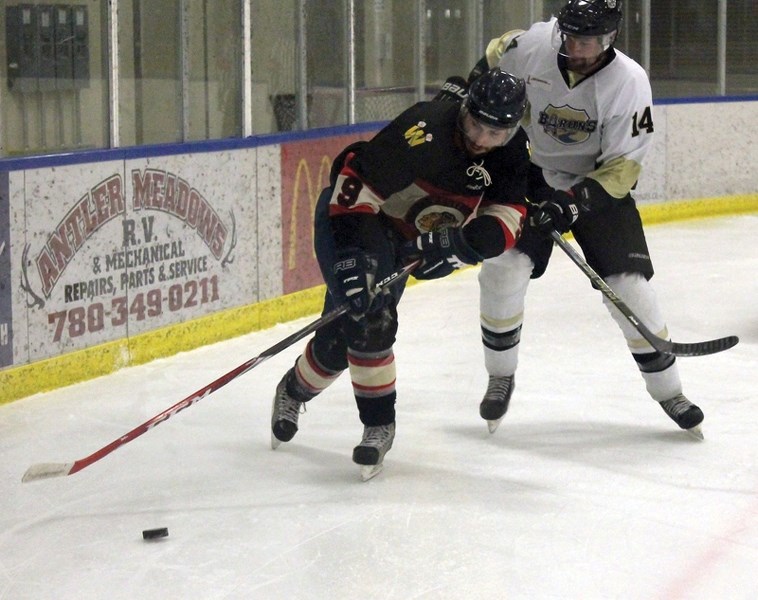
x: 114, y: 258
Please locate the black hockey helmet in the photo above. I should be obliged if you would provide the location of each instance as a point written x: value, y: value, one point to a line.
x: 496, y: 98
x: 590, y: 17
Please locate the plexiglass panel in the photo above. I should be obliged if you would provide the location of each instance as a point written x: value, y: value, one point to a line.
x: 180, y: 62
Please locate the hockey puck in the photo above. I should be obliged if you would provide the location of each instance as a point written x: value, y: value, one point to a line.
x: 154, y: 534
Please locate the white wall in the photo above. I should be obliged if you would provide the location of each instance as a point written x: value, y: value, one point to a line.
x: 700, y: 151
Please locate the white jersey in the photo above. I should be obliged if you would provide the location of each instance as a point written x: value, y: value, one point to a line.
x: 598, y: 128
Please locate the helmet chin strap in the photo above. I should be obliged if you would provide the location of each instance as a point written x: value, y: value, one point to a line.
x: 605, y: 40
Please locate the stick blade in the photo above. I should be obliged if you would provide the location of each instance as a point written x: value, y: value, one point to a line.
x: 704, y: 348
x: 47, y: 471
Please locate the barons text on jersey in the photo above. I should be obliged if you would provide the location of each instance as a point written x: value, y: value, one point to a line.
x: 566, y: 124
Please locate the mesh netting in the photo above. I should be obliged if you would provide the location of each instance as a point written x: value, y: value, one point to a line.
x: 328, y: 105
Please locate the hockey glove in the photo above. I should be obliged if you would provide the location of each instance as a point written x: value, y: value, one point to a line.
x: 441, y: 253
x: 454, y: 89
x: 480, y: 68
x: 558, y: 213
x: 355, y: 274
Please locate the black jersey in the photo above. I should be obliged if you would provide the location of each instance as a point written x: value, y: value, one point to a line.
x: 417, y: 174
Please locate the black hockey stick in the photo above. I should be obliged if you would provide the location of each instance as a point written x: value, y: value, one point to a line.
x: 47, y: 470
x: 665, y: 346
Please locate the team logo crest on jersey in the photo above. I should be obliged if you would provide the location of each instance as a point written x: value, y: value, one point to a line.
x: 416, y: 135
x: 567, y: 125
x: 434, y: 219
x: 435, y: 214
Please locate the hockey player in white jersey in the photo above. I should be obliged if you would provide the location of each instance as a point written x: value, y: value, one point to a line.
x: 590, y: 125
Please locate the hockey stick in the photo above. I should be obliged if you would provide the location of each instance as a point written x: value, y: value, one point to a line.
x: 48, y: 470
x: 661, y: 345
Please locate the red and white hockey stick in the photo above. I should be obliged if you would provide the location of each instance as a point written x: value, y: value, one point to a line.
x: 665, y: 346
x: 48, y: 470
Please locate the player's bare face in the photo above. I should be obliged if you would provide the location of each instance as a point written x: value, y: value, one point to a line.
x: 480, y: 138
x: 583, y: 53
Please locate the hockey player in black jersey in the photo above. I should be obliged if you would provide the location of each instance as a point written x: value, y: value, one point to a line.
x: 443, y: 182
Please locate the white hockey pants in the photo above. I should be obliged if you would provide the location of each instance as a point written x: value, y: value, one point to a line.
x: 503, y: 282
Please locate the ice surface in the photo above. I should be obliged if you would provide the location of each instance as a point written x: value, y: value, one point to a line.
x: 587, y: 490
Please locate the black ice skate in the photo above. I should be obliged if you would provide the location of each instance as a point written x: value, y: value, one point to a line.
x: 495, y: 403
x: 285, y: 411
x: 374, y: 445
x: 685, y: 414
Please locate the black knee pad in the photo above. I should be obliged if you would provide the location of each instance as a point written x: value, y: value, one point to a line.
x: 330, y: 346
x: 374, y: 332
x: 501, y: 341
x: 654, y: 362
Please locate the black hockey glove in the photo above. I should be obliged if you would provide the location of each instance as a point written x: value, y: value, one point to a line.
x: 454, y: 89
x: 480, y: 68
x: 441, y: 252
x: 355, y: 274
x: 559, y: 213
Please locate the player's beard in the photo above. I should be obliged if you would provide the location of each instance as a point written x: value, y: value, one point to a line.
x: 473, y: 149
x: 463, y: 142
x: 584, y: 66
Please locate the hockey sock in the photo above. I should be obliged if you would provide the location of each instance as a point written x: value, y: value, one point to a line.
x: 661, y: 375
x: 373, y: 376
x: 311, y: 377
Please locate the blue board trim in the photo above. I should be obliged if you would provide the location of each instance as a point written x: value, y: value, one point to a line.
x: 136, y: 152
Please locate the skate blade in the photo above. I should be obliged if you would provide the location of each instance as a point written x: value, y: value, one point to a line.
x: 370, y: 471
x: 493, y: 425
x: 696, y: 432
x: 274, y: 442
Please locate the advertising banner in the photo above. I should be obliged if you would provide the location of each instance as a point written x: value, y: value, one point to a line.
x: 305, y: 172
x: 114, y: 249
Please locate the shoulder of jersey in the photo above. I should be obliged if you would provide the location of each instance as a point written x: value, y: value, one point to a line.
x: 624, y: 74
x: 538, y: 33
x: 425, y: 120
x: 432, y: 111
x: 531, y: 41
x: 629, y: 65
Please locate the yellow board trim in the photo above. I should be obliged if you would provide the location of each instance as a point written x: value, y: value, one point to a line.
x: 74, y: 367
x: 81, y: 365
x: 701, y: 208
